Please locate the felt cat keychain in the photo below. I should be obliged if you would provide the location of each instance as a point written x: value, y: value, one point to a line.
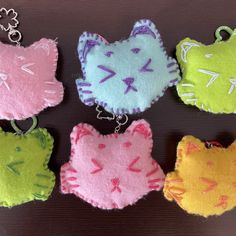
x: 127, y: 76
x: 27, y: 86
x: 111, y: 171
x: 204, y: 180
x: 209, y: 73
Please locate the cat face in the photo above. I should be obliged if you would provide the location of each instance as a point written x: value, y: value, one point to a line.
x: 24, y: 175
x: 125, y: 76
x: 27, y: 79
x: 204, y: 179
x: 209, y: 75
x: 111, y: 171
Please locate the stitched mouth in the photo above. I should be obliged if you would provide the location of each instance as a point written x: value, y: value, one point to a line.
x: 129, y: 81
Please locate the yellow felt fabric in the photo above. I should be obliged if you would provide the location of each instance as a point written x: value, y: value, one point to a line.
x: 204, y: 180
x: 24, y: 174
x: 209, y: 74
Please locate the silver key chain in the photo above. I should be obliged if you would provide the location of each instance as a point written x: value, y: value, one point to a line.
x: 120, y: 119
x: 14, y: 35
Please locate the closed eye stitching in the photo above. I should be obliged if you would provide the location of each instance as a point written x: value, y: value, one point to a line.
x: 145, y: 67
x: 135, y: 50
x: 109, y: 76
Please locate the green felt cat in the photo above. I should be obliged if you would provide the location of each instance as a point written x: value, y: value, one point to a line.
x: 24, y: 174
x: 209, y: 73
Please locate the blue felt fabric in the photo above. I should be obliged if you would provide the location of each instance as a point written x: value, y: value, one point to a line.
x: 127, y: 76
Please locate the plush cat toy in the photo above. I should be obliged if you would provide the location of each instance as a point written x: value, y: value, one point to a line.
x: 111, y: 171
x: 24, y: 175
x: 126, y: 76
x: 27, y: 79
x: 204, y: 180
x: 209, y: 73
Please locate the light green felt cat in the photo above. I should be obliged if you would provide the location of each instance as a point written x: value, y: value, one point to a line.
x: 24, y: 174
x: 209, y: 73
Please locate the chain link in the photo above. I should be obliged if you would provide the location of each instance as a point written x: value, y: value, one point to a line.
x: 120, y: 119
x: 14, y: 35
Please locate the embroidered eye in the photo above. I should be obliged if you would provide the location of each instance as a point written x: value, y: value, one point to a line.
x: 97, y: 165
x: 146, y: 68
x: 13, y: 167
x: 135, y: 50
x: 18, y: 149
x: 127, y: 144
x: 132, y: 166
x: 110, y: 72
x: 109, y: 53
x: 101, y: 145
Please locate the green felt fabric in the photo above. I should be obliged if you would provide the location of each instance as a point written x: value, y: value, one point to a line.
x: 209, y: 74
x: 24, y: 174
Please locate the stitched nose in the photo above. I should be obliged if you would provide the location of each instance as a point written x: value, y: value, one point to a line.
x: 130, y: 87
x: 116, y: 182
x: 128, y: 81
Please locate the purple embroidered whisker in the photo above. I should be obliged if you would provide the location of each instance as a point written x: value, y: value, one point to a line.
x: 84, y: 84
x: 171, y: 64
x: 89, y: 100
x: 86, y: 91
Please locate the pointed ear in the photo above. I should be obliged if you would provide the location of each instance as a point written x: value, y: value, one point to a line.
x: 189, y: 145
x: 140, y: 127
x: 232, y: 145
x: 80, y: 131
x: 86, y: 42
x: 46, y: 47
x: 145, y: 27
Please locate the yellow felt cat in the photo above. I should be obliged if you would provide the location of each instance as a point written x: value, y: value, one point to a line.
x: 204, y: 180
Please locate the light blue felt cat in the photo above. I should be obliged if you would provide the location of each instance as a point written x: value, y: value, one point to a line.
x: 127, y: 76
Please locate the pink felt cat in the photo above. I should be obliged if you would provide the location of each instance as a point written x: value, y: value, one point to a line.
x: 27, y: 79
x: 111, y: 171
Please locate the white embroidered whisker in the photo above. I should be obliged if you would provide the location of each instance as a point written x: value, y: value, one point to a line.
x: 187, y: 94
x: 49, y: 82
x: 191, y: 100
x: 50, y: 91
x: 233, y: 82
x: 187, y: 85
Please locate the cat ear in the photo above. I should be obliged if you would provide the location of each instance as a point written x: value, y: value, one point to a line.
x: 233, y: 145
x: 80, y: 131
x: 86, y: 42
x: 46, y: 47
x: 140, y: 127
x: 145, y: 27
x: 189, y: 145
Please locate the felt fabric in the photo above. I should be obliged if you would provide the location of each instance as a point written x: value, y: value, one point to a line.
x: 111, y: 171
x: 24, y: 175
x: 209, y: 74
x: 126, y: 76
x: 204, y: 180
x: 27, y: 79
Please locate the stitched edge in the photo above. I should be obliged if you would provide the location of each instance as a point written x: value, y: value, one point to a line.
x: 121, y: 111
x: 92, y: 129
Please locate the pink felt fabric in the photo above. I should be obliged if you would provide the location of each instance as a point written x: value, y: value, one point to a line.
x: 27, y: 79
x: 111, y: 171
